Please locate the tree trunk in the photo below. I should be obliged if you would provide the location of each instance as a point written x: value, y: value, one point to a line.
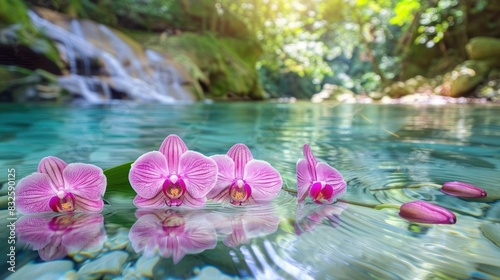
x: 371, y: 55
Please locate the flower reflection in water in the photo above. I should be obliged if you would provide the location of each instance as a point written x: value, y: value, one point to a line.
x: 239, y: 227
x: 310, y: 215
x: 56, y: 235
x: 172, y: 233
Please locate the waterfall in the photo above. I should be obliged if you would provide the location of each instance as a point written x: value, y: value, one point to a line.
x: 135, y: 74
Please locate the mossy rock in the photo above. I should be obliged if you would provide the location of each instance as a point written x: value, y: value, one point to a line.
x: 480, y: 48
x: 20, y: 85
x: 397, y: 89
x: 465, y: 77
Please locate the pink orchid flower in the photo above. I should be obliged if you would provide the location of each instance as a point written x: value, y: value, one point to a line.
x: 244, y: 180
x: 61, y: 187
x: 172, y: 233
x: 54, y: 237
x: 319, y: 180
x: 173, y: 176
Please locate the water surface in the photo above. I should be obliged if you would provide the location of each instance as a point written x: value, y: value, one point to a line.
x: 374, y: 146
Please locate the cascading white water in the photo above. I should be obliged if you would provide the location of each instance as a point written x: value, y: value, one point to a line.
x: 147, y: 79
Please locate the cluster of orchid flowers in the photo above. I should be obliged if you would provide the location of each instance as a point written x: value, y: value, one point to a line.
x: 175, y: 176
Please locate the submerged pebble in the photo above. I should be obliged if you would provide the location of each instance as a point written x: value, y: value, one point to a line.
x: 145, y: 265
x: 119, y: 241
x: 110, y: 263
x: 47, y: 270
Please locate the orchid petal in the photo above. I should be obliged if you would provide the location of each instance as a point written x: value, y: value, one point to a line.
x: 328, y: 174
x: 148, y: 174
x: 311, y: 161
x: 198, y: 172
x: 304, y: 179
x: 85, y: 180
x: 172, y: 148
x: 53, y: 167
x: 33, y: 194
x: 85, y: 204
x: 157, y: 201
x: 225, y: 177
x: 264, y: 180
x: 241, y: 155
x: 194, y: 202
x: 332, y: 177
x: 222, y: 197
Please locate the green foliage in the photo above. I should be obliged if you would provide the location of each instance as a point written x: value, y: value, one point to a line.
x: 117, y: 180
x: 13, y: 11
x: 19, y: 30
x: 225, y: 67
x: 404, y: 12
x: 296, y: 45
x: 436, y: 20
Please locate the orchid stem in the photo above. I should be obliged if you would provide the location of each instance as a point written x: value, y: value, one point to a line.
x: 387, y: 205
x: 290, y: 190
x: 410, y: 187
x: 374, y: 206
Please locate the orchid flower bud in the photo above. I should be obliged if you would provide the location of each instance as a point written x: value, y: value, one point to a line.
x: 463, y: 190
x: 424, y: 212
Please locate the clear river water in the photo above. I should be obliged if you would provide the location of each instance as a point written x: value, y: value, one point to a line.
x: 373, y: 146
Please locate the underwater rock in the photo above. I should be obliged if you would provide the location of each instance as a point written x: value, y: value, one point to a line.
x: 119, y: 241
x: 145, y: 265
x: 491, y: 231
x: 111, y: 263
x: 85, y: 254
x: 46, y: 270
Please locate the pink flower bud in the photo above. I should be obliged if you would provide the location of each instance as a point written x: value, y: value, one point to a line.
x: 461, y: 189
x: 424, y: 212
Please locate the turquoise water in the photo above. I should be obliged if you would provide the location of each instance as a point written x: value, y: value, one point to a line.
x: 373, y: 146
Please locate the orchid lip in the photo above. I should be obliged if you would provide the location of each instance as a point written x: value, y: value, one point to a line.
x: 62, y: 202
x: 174, y: 188
x: 239, y: 192
x: 321, y: 192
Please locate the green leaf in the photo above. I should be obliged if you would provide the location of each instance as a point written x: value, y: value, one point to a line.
x: 117, y: 181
